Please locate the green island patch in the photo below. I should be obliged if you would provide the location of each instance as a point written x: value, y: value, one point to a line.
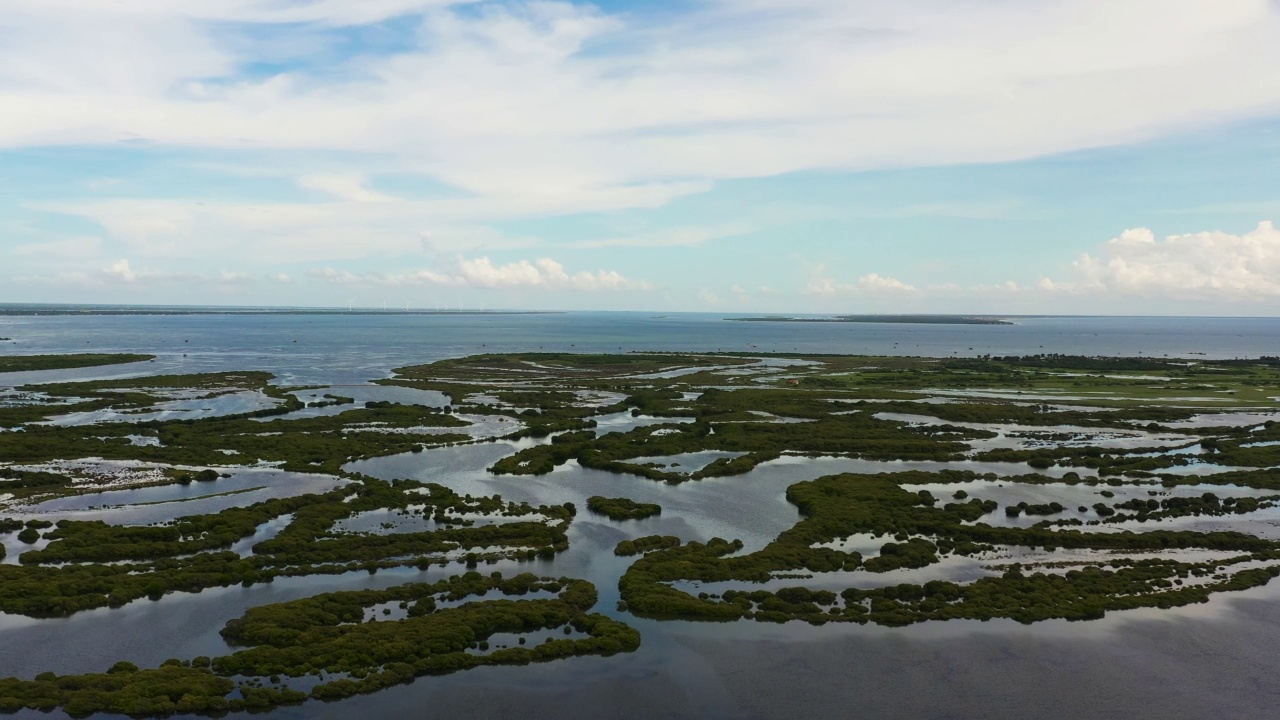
x: 25, y: 363
x: 336, y: 637
x: 622, y: 508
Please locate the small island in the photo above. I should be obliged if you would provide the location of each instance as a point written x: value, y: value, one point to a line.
x: 885, y: 319
x: 24, y: 363
x: 640, y: 546
x: 622, y: 508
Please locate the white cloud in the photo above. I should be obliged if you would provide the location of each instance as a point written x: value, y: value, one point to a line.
x: 481, y: 272
x: 508, y: 111
x: 332, y: 12
x: 349, y: 228
x: 517, y: 102
x: 821, y: 283
x: 334, y: 276
x: 1210, y: 265
x: 120, y: 271
x: 1008, y: 287
x: 227, y: 277
x: 879, y: 283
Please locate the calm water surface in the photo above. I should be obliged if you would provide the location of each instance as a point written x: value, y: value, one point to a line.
x: 354, y: 348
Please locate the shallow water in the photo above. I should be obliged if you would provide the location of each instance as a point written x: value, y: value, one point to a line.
x: 356, y: 348
x: 689, y: 462
x: 147, y: 505
x: 185, y: 409
x: 623, y: 422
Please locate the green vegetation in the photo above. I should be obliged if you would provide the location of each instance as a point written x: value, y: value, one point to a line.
x: 71, y: 573
x: 837, y: 507
x: 137, y: 395
x: 314, y: 444
x: 639, y: 546
x: 622, y: 508
x: 1118, y: 423
x: 330, y: 634
x: 725, y: 422
x: 23, y: 363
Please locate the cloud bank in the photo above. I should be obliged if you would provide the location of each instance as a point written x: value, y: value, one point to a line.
x: 560, y: 101
x: 541, y: 274
x: 1210, y: 265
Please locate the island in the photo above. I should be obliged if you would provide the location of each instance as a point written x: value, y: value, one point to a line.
x: 622, y: 508
x: 887, y: 319
x: 24, y: 363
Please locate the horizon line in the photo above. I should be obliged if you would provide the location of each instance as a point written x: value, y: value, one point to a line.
x: 7, y: 308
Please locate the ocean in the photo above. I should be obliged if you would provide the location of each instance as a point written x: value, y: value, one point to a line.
x: 354, y: 347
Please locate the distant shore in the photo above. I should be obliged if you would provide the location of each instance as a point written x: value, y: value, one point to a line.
x: 889, y: 319
x: 28, y: 310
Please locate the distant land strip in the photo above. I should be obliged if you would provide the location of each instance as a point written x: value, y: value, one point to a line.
x: 24, y: 363
x: 890, y: 319
x: 91, y: 310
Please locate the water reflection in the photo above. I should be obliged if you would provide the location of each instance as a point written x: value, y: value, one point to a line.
x: 147, y: 505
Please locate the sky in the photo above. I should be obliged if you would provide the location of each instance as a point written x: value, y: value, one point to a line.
x: 753, y: 156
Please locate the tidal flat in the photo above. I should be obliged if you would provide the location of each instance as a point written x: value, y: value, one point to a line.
x: 455, y: 527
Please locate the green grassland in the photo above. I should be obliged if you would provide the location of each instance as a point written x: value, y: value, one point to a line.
x: 25, y: 363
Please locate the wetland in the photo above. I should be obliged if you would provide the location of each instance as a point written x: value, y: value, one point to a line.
x: 534, y: 521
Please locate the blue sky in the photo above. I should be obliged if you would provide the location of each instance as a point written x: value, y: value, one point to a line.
x: 822, y: 156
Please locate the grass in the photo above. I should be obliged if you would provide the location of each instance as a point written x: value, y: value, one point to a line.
x: 25, y: 363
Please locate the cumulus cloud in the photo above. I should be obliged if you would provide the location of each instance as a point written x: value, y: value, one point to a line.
x: 880, y: 283
x: 228, y: 277
x: 122, y: 273
x: 481, y: 272
x: 1211, y: 265
x: 120, y: 270
x: 821, y: 283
